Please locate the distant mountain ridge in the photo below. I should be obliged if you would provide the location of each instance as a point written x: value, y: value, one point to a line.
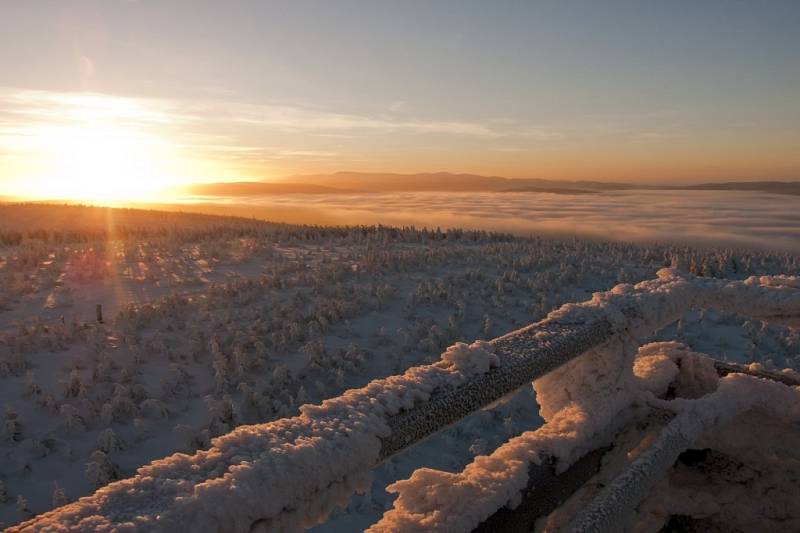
x: 441, y: 181
x: 446, y: 181
x: 382, y: 182
x: 777, y: 187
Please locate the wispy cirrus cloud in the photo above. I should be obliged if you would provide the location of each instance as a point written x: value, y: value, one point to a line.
x: 216, y: 124
x: 29, y: 107
x: 297, y: 118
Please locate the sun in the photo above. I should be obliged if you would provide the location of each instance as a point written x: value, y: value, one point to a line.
x: 99, y: 149
x: 98, y: 163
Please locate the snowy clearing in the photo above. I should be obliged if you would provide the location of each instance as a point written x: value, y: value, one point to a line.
x: 212, y: 323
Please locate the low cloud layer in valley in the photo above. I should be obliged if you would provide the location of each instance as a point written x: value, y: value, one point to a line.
x: 719, y: 218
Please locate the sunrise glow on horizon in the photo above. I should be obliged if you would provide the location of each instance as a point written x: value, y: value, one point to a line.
x: 109, y: 101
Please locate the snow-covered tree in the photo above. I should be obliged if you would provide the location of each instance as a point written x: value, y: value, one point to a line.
x: 59, y: 496
x: 11, y: 430
x: 23, y: 509
x: 72, y: 419
x: 74, y: 387
x: 100, y: 470
x: 109, y: 442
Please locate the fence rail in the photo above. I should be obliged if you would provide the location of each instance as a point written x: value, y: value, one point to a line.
x: 526, y: 355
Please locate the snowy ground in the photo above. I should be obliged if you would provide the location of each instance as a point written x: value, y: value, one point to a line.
x: 211, y: 323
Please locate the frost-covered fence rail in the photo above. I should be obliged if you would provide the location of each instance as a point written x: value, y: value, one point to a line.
x: 523, y: 356
x: 291, y: 473
x: 724, y: 368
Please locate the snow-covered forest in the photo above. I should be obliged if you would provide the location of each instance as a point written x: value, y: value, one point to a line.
x: 129, y: 335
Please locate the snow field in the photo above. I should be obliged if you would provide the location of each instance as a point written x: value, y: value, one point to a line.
x: 211, y: 324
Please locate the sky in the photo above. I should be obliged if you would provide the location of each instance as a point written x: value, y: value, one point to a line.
x: 121, y: 95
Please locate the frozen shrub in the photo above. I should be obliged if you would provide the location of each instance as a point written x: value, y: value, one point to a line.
x: 32, y: 387
x: 300, y: 398
x: 177, y: 382
x: 221, y: 413
x: 280, y: 409
x: 5, y: 369
x: 72, y: 419
x: 46, y: 401
x: 100, y: 471
x: 357, y: 355
x: 17, y: 363
x: 11, y: 430
x: 122, y: 406
x: 107, y: 414
x: 243, y: 361
x: 280, y: 376
x: 314, y: 329
x: 260, y: 350
x: 251, y: 399
x: 486, y: 327
x: 37, y: 449
x: 109, y: 442
x: 153, y: 409
x: 188, y: 436
x: 22, y: 508
x: 104, y: 369
x: 138, y: 392
x: 59, y: 496
x: 480, y: 446
x: 73, y: 387
x: 381, y: 338
x: 143, y: 430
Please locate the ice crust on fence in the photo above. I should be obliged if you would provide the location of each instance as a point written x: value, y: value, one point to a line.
x: 583, y: 399
x: 290, y: 473
x: 736, y: 394
x: 473, y: 358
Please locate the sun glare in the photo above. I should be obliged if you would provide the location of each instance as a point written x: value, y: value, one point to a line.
x: 98, y: 148
x: 99, y: 163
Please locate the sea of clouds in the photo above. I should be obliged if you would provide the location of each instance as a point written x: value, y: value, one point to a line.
x: 718, y: 218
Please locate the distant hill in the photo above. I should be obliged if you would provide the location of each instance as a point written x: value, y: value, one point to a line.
x: 442, y: 181
x: 254, y: 188
x: 381, y: 182
x: 775, y: 187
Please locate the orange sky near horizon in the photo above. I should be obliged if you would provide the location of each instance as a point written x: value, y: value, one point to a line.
x: 92, y: 146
